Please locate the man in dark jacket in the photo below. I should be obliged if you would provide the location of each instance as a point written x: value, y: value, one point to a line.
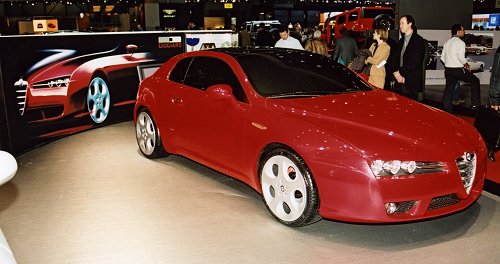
x: 408, y: 62
x: 345, y: 48
x: 495, y: 82
x: 487, y: 128
x: 264, y: 37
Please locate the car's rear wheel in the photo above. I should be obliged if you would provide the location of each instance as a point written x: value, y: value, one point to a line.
x: 148, y: 136
x: 288, y: 188
x: 478, y: 52
x: 98, y: 100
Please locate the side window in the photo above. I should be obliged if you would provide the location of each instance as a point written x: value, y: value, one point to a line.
x: 341, y: 19
x: 207, y: 71
x: 179, y: 71
x: 353, y: 16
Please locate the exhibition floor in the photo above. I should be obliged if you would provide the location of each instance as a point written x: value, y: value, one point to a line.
x: 93, y: 198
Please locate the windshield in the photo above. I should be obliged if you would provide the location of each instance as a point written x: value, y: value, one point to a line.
x: 372, y: 13
x: 285, y: 73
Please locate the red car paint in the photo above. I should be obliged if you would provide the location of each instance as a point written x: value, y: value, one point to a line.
x: 337, y: 136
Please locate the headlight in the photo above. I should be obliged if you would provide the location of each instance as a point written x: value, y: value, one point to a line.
x: 398, y: 167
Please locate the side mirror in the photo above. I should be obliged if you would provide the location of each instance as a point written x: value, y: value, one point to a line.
x: 220, y: 92
x: 131, y: 48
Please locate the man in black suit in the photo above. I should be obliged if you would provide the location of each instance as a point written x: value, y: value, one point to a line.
x: 408, y: 62
x: 264, y: 37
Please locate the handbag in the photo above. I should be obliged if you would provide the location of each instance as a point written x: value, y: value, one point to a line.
x: 366, y: 69
x: 487, y: 123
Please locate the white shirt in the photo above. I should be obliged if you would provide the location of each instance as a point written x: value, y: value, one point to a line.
x: 453, y: 54
x: 290, y: 42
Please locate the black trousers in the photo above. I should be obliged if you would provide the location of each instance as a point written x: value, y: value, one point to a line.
x: 453, y: 75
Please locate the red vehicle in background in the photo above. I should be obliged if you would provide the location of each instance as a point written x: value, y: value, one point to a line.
x: 361, y: 20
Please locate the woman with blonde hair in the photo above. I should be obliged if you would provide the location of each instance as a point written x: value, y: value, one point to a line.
x: 380, y: 53
x: 316, y: 44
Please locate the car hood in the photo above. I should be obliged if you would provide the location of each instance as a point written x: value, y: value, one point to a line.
x: 380, y: 123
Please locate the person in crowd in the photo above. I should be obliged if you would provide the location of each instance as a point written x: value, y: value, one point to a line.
x: 139, y: 28
x: 192, y: 25
x: 296, y: 32
x: 316, y: 44
x: 409, y: 60
x: 286, y: 41
x: 308, y: 34
x: 233, y: 28
x: 457, y: 100
x: 494, y: 94
x: 244, y: 37
x: 380, y: 51
x: 345, y: 48
x: 264, y: 37
x: 494, y: 90
x: 389, y: 67
x: 457, y: 69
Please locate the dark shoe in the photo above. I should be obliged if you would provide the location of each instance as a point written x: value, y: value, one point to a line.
x: 491, y: 155
x: 458, y: 102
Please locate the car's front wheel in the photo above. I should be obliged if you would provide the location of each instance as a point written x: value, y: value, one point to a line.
x: 98, y: 100
x: 288, y: 188
x: 148, y: 136
x: 478, y: 52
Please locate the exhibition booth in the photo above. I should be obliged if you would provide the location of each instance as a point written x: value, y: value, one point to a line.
x: 56, y: 85
x: 59, y: 84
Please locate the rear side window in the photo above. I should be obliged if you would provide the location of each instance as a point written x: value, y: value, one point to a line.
x: 179, y: 72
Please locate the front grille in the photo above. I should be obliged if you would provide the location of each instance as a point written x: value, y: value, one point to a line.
x: 404, y: 207
x: 443, y: 201
x: 429, y: 167
x: 21, y: 87
x: 466, y: 165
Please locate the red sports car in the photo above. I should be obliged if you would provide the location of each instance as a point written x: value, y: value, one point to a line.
x: 63, y: 84
x: 311, y: 136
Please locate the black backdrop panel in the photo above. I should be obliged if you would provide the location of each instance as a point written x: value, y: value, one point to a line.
x: 59, y: 69
x: 432, y: 14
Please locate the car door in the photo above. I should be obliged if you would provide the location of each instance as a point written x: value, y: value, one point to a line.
x: 209, y: 129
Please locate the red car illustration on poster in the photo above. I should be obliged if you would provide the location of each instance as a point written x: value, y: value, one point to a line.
x: 314, y: 139
x: 63, y: 84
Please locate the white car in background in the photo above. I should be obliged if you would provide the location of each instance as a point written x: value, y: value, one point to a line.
x: 8, y: 168
x: 477, y: 49
x: 475, y: 66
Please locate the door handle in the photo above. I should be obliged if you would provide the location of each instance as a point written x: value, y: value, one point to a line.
x: 176, y: 100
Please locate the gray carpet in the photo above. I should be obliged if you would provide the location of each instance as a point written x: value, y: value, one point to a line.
x: 93, y: 198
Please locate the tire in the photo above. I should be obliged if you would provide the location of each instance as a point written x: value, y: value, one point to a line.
x: 98, y: 100
x: 481, y: 68
x: 148, y: 136
x: 288, y: 188
x: 478, y: 52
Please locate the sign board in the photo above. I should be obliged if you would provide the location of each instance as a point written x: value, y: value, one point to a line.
x: 45, y: 25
